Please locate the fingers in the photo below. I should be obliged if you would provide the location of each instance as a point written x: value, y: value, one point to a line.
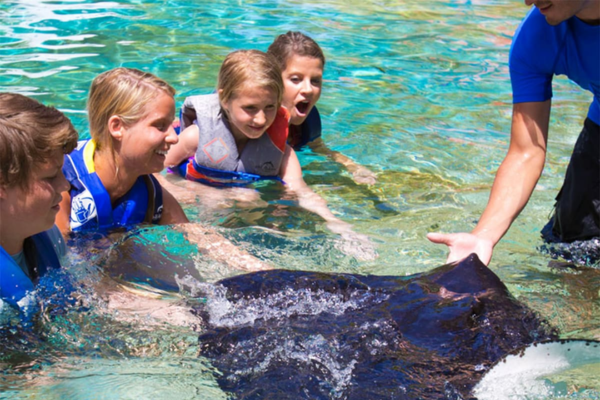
x: 440, y: 238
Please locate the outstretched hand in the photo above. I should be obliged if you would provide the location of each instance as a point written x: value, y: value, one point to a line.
x: 463, y: 244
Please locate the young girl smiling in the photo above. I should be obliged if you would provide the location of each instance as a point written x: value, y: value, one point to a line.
x: 239, y: 135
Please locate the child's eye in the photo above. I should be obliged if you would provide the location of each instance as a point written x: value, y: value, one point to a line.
x: 51, y: 178
x: 316, y: 82
x: 295, y: 79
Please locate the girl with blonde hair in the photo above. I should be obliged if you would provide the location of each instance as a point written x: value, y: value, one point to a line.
x: 131, y: 115
x: 238, y: 136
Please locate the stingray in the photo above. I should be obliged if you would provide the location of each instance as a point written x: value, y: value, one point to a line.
x: 306, y: 335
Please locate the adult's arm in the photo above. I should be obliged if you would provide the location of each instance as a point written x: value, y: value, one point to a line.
x: 514, y: 183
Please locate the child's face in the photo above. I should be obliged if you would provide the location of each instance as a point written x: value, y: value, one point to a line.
x: 251, y: 111
x: 145, y: 144
x: 302, y: 80
x: 32, y: 210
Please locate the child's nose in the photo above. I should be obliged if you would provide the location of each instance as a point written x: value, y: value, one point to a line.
x: 172, y: 137
x: 306, y: 86
x: 62, y: 184
x: 260, y: 118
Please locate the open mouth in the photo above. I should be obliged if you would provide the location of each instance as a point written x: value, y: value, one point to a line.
x: 302, y: 107
x: 162, y: 152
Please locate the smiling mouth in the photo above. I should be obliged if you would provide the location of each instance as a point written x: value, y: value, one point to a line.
x: 162, y: 152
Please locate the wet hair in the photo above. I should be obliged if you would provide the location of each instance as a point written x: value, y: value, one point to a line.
x: 290, y: 44
x: 123, y: 92
x: 242, y: 69
x: 30, y: 134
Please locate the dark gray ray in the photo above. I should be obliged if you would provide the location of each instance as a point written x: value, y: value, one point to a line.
x: 291, y: 334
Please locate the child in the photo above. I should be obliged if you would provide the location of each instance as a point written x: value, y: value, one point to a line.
x: 239, y: 134
x: 302, y: 61
x: 33, y: 141
x: 130, y: 114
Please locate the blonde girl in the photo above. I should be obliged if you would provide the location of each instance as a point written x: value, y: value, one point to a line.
x: 131, y: 115
x: 238, y: 135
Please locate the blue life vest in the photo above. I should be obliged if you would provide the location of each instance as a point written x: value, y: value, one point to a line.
x: 14, y: 283
x: 308, y: 131
x: 91, y: 208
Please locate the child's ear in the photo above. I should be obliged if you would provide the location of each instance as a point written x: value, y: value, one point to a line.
x: 115, y: 127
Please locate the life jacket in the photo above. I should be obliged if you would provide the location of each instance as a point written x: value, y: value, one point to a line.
x: 308, y: 131
x: 91, y: 208
x: 217, y: 161
x: 14, y: 283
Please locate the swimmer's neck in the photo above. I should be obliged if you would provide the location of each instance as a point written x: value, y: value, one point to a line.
x: 117, y: 178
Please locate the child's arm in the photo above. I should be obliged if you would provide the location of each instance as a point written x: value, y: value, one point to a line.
x: 291, y: 174
x: 172, y: 212
x: 209, y: 242
x: 215, y: 246
x: 184, y: 148
x: 360, y: 173
x: 357, y: 245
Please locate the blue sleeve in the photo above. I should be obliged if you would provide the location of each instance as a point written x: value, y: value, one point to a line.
x: 532, y: 59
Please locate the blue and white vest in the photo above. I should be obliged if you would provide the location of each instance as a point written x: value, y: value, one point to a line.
x: 91, y: 208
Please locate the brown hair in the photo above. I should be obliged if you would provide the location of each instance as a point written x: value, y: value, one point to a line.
x: 248, y: 67
x: 124, y: 92
x: 30, y: 133
x: 294, y: 43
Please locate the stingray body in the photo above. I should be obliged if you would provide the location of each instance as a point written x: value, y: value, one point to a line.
x: 290, y: 334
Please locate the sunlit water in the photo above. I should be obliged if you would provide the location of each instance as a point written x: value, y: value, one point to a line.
x: 416, y: 91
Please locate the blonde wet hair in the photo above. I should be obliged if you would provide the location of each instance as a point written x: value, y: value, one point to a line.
x: 123, y: 92
x: 30, y: 134
x: 243, y: 69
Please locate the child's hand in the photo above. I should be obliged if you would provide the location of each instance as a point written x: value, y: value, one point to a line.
x: 363, y: 175
x: 353, y: 244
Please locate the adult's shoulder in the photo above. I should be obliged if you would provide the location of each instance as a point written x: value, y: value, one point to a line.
x: 536, y: 44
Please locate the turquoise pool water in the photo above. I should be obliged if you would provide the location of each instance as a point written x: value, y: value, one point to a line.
x: 416, y: 91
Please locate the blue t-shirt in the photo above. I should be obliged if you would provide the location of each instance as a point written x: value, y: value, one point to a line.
x: 539, y: 51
